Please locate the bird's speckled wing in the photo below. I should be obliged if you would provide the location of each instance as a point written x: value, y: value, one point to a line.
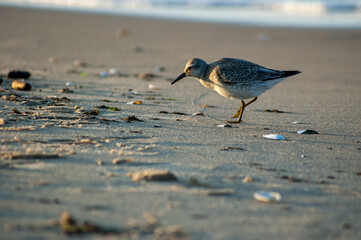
x: 232, y: 71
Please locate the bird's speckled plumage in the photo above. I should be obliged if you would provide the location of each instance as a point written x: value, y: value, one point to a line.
x: 234, y: 78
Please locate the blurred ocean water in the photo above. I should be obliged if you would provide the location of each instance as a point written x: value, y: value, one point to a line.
x: 282, y: 13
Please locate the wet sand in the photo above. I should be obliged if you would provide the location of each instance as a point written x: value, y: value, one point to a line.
x: 75, y: 150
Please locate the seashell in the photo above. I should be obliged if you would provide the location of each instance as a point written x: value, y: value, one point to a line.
x: 68, y: 84
x: 307, y: 131
x: 198, y: 114
x: 274, y: 136
x: 153, y: 87
x: 135, y: 102
x: 296, y: 122
x: 104, y: 74
x: 224, y: 126
x: 113, y: 71
x: 267, y: 197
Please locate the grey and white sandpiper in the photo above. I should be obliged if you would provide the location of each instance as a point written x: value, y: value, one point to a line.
x: 234, y: 79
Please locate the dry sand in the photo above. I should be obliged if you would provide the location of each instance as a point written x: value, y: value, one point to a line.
x: 55, y: 158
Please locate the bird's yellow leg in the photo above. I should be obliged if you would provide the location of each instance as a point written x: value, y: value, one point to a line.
x: 239, y: 112
x: 239, y: 109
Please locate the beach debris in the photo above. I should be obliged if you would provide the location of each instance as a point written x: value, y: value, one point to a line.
x: 1, y: 80
x: 71, y: 226
x: 68, y: 84
x: 297, y: 122
x: 115, y: 109
x: 247, y: 179
x: 65, y: 90
x: 132, y: 118
x: 274, y: 136
x: 2, y: 121
x: 104, y: 74
x: 83, y: 74
x: 159, y: 69
x: 194, y: 182
x: 232, y: 148
x: 99, y: 162
x: 113, y: 71
x: 267, y: 197
x: 91, y: 112
x: 145, y: 76
x: 273, y: 111
x: 224, y: 126
x: 15, y: 111
x: 122, y: 32
x: 307, y: 131
x: 121, y: 161
x: 152, y: 175
x: 21, y: 85
x: 19, y: 74
x: 135, y: 102
x: 206, y: 106
x: 53, y: 59
x: 198, y: 114
x: 152, y: 86
x: 79, y: 63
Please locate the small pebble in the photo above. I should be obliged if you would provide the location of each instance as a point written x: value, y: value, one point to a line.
x: 21, y: 85
x: 100, y: 162
x: 19, y: 74
x: 247, y: 179
x: 78, y: 63
x: 68, y: 84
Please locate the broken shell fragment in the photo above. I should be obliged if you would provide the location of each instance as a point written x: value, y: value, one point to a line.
x: 267, y: 197
x: 135, y: 102
x: 274, y: 136
x: 198, y: 114
x: 307, y: 131
x: 224, y: 126
x: 21, y: 85
x: 153, y: 87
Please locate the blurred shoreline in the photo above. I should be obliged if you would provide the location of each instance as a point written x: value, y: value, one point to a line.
x: 294, y: 14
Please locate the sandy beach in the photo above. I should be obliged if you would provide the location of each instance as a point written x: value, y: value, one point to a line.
x: 73, y: 142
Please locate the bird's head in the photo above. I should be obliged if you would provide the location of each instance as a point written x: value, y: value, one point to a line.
x: 195, y: 67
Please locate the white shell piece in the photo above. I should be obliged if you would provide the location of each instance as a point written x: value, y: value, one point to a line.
x: 267, y: 197
x: 296, y: 122
x: 153, y: 86
x: 113, y: 71
x: 301, y: 131
x: 274, y: 136
x: 198, y: 114
x: 68, y: 84
x: 224, y: 126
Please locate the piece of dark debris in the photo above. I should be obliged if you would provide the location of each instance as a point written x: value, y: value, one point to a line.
x: 131, y: 119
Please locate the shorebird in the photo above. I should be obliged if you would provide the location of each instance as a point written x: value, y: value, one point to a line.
x: 234, y: 79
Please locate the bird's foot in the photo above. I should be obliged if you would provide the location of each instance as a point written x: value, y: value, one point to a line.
x: 234, y: 122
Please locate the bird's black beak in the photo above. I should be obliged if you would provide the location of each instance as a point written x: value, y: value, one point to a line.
x: 179, y: 78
